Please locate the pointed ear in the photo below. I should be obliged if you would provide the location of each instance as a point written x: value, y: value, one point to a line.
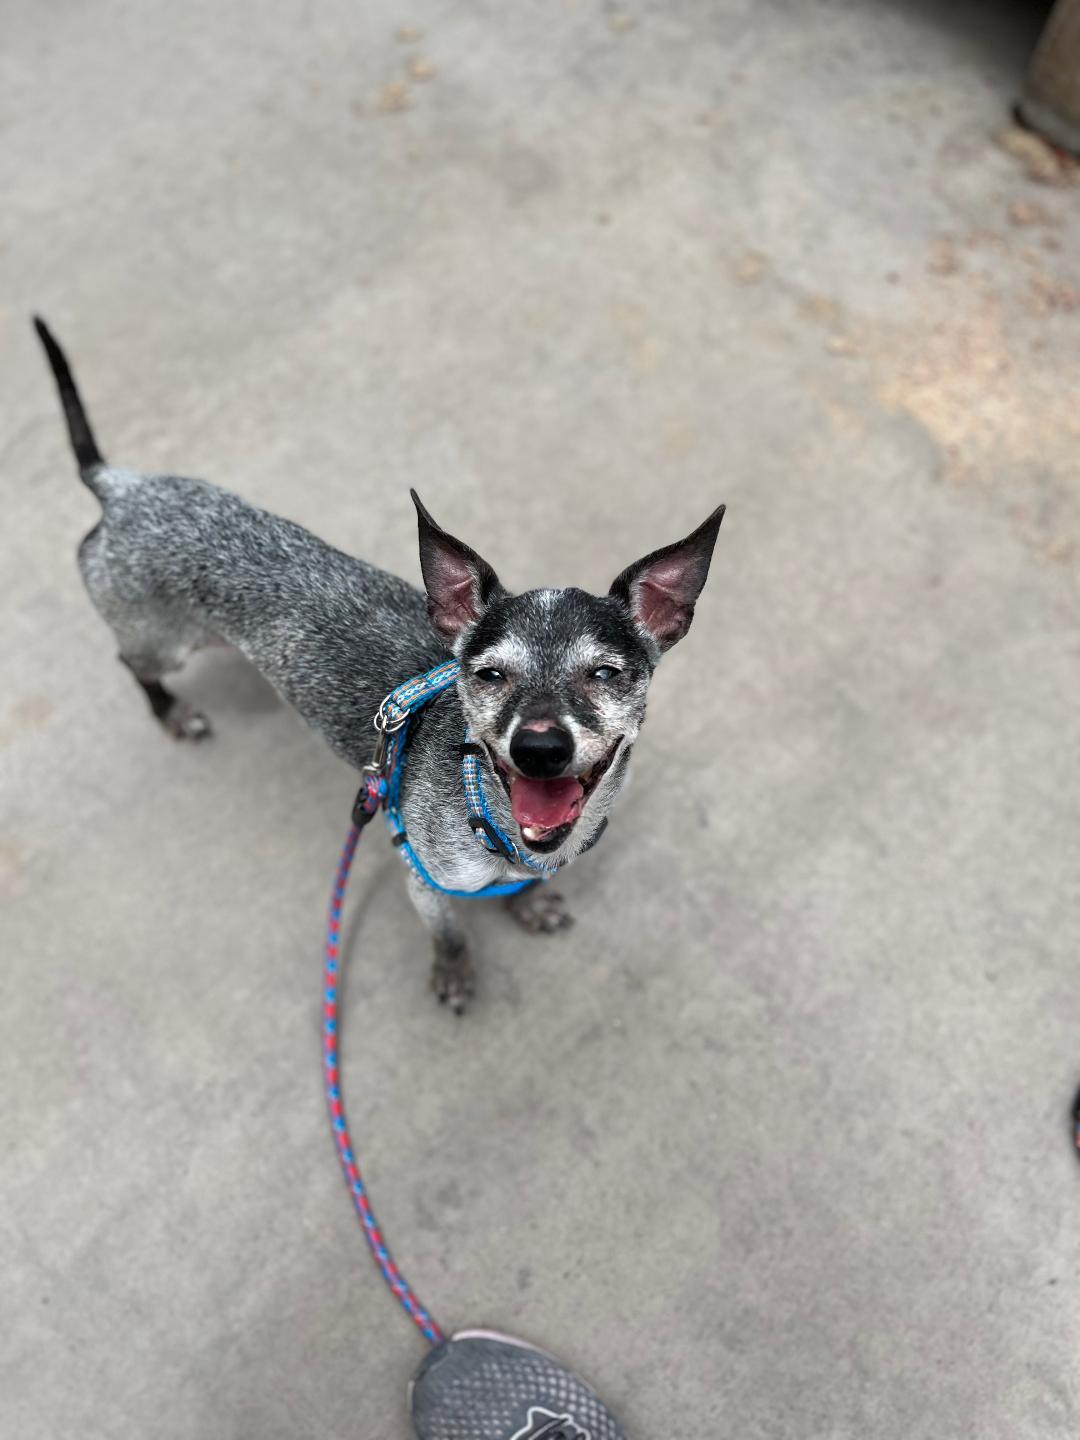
x: 660, y: 591
x: 459, y: 584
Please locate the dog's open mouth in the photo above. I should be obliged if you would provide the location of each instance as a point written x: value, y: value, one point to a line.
x: 547, y: 810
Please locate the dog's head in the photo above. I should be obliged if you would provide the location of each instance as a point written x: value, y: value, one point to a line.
x: 553, y: 682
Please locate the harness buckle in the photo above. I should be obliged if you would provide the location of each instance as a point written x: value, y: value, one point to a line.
x: 499, y: 844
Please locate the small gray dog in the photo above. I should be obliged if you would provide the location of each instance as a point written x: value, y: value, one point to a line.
x: 552, y: 685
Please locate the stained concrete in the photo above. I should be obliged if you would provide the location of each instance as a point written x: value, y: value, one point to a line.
x: 773, y: 1143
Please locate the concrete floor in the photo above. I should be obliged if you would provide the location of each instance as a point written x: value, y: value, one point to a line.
x: 774, y: 1142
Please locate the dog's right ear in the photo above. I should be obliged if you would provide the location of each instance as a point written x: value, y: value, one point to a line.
x: 459, y: 584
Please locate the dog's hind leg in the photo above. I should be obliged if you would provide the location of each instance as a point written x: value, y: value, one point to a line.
x: 154, y: 634
x: 176, y: 717
x: 452, y: 976
x: 152, y: 638
x: 150, y: 650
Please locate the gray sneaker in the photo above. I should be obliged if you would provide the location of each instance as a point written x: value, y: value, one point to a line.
x: 481, y: 1386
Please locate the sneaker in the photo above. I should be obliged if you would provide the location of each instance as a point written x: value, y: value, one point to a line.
x: 481, y: 1386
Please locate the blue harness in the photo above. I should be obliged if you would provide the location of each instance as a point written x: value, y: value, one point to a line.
x: 381, y: 786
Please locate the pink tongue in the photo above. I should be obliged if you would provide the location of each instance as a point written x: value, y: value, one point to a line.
x: 548, y: 803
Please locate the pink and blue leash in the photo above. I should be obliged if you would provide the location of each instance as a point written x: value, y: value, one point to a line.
x: 380, y: 789
x: 380, y: 1251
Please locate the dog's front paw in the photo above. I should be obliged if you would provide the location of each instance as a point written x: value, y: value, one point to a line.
x: 453, y: 978
x: 183, y: 722
x: 539, y: 910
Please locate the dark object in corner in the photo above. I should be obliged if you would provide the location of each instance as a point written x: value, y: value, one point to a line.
x: 1050, y: 103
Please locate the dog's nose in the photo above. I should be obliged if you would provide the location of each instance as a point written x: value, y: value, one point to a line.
x: 541, y: 753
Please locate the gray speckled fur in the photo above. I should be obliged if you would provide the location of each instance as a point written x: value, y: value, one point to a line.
x: 175, y: 564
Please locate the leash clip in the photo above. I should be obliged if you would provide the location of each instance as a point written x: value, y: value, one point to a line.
x: 384, y: 724
x: 377, y: 764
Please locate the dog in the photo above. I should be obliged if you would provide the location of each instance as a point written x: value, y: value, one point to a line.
x: 552, y: 685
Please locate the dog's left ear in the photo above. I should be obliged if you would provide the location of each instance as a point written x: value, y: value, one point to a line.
x: 661, y: 591
x: 458, y: 582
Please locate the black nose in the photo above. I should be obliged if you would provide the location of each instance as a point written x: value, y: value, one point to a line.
x: 542, y: 754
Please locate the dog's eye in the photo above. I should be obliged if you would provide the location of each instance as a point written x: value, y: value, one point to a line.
x: 604, y: 672
x: 490, y: 676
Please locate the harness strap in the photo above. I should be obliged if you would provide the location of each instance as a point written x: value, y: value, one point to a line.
x: 482, y: 821
x: 381, y: 786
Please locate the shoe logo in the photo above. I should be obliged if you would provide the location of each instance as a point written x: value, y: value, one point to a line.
x: 546, y: 1425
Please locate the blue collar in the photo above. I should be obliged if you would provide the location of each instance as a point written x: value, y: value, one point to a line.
x: 382, y: 786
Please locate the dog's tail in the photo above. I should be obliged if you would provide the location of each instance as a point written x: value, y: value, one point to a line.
x: 82, y: 437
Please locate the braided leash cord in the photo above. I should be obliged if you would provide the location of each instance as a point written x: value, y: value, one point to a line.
x: 332, y: 1074
x: 380, y: 788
